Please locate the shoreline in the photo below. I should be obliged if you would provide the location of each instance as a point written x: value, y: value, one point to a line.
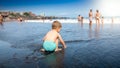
x: 106, y: 21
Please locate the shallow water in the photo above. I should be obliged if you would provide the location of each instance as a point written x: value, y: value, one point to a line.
x: 95, y: 46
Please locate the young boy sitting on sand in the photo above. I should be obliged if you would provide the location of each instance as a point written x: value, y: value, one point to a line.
x: 52, y: 37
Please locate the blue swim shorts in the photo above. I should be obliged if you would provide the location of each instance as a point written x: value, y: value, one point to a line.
x: 49, y: 45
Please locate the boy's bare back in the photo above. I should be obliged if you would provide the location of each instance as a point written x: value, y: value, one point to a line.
x: 51, y: 36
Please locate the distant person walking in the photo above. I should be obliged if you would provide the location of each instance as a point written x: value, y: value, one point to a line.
x: 1, y: 20
x: 90, y: 17
x: 97, y: 16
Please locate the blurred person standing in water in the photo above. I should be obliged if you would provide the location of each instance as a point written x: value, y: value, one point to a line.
x: 90, y: 17
x: 1, y: 20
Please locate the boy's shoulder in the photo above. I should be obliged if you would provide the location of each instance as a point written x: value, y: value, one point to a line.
x: 53, y: 32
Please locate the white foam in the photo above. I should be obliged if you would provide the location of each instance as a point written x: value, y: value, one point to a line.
x: 116, y: 20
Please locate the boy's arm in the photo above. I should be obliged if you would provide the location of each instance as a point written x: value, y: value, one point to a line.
x: 61, y: 41
x: 44, y: 38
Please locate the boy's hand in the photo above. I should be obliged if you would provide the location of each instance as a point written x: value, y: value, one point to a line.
x: 65, y: 46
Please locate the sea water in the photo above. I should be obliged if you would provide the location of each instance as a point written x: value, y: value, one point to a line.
x: 88, y: 46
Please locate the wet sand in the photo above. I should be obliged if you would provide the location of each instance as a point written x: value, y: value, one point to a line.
x: 95, y: 47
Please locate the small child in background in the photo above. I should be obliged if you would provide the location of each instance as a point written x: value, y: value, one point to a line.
x: 52, y: 37
x: 102, y: 20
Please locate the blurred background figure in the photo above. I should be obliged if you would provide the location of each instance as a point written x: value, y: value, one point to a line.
x: 90, y: 17
x: 1, y: 20
x: 79, y: 18
x: 20, y: 19
x: 102, y: 20
x: 82, y: 19
x: 97, y: 17
x: 112, y: 19
x: 81, y: 22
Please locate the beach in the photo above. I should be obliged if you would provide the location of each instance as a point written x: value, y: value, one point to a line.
x: 95, y: 46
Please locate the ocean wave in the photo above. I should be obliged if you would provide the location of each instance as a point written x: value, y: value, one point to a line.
x: 106, y: 20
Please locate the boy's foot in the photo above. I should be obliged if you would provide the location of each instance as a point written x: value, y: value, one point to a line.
x: 59, y: 49
x: 42, y: 50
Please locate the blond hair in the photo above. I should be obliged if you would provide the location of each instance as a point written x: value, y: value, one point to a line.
x: 56, y: 24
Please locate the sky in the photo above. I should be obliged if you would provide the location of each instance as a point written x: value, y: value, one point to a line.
x: 67, y: 8
x: 109, y: 7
